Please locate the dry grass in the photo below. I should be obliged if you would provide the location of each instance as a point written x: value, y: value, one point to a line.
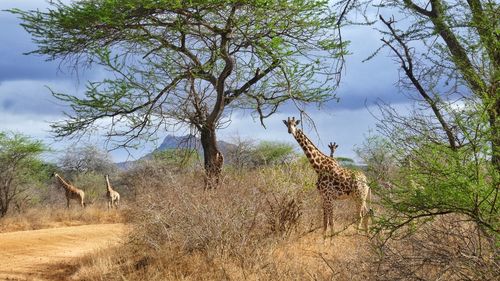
x: 49, y: 217
x: 264, y: 224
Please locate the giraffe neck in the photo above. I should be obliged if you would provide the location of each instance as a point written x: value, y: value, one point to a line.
x: 108, y: 185
x: 318, y: 160
x: 64, y: 184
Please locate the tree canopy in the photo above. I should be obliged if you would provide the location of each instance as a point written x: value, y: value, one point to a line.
x: 187, y: 62
x: 19, y: 166
x: 447, y: 147
x: 177, y: 59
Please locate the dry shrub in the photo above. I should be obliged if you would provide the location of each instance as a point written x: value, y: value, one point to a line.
x: 218, y: 223
x: 449, y: 248
x: 284, y: 213
x: 151, y: 176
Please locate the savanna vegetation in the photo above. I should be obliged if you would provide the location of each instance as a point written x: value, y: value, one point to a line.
x: 434, y: 170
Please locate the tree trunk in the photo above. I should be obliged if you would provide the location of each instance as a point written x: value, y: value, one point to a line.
x: 495, y: 132
x: 212, y: 156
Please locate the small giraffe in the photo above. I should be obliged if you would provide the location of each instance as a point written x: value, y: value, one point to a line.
x: 333, y: 147
x: 334, y: 182
x: 213, y: 173
x: 112, y: 195
x: 71, y: 191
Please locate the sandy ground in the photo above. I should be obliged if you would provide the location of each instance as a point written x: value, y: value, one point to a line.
x: 47, y: 254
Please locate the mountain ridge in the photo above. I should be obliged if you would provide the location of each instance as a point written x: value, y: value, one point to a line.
x: 177, y: 142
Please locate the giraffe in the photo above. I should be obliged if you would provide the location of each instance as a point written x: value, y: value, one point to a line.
x: 333, y: 147
x: 112, y: 195
x: 213, y: 173
x: 334, y: 182
x: 71, y: 191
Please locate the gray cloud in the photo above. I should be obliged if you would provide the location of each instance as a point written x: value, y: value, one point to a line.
x: 14, y: 64
x: 15, y: 41
x: 33, y: 96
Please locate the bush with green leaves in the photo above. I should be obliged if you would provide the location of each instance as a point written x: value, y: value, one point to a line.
x: 178, y: 158
x: 21, y: 169
x: 272, y: 153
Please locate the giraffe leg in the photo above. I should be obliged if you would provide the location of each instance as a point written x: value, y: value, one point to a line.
x: 67, y: 203
x: 362, y: 216
x: 330, y: 221
x: 325, y: 221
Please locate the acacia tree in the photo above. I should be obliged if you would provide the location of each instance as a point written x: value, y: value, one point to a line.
x: 447, y: 148
x: 187, y: 62
x: 450, y: 56
x: 19, y: 166
x: 449, y: 52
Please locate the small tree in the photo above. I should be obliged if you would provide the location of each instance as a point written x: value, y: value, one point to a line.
x: 188, y: 62
x: 376, y: 153
x: 239, y: 155
x: 179, y: 158
x: 86, y: 159
x: 271, y: 153
x: 19, y: 167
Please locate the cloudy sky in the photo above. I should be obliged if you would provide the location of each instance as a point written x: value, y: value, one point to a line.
x: 26, y: 105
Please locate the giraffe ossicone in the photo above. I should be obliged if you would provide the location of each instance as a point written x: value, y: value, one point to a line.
x: 334, y: 182
x: 333, y: 146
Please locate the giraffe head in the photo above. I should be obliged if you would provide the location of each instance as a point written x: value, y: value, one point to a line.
x: 291, y: 124
x: 333, y: 147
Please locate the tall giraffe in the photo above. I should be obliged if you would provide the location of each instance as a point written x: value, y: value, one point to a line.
x: 333, y: 147
x: 112, y: 195
x: 334, y: 182
x: 71, y: 191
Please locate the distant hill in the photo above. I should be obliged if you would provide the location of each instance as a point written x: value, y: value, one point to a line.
x: 175, y: 142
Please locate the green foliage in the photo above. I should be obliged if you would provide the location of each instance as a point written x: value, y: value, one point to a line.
x: 446, y: 151
x: 272, y: 153
x: 20, y: 168
x: 93, y: 184
x: 437, y: 180
x: 346, y: 162
x: 180, y: 158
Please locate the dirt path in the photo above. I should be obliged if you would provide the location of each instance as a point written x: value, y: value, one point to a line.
x: 40, y: 254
